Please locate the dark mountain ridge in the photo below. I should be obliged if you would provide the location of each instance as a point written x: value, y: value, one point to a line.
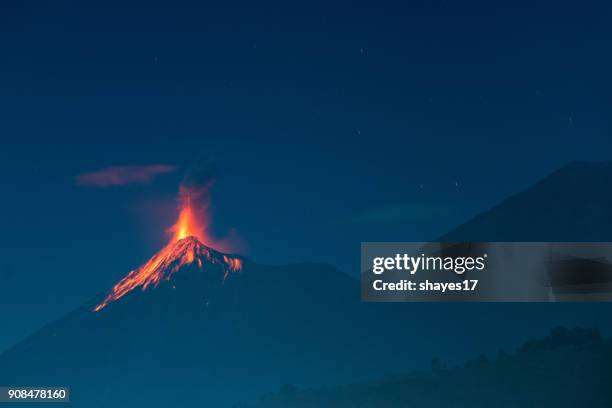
x: 566, y: 369
x: 199, y: 336
x: 572, y: 204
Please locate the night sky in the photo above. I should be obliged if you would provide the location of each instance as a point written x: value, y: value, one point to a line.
x: 328, y: 124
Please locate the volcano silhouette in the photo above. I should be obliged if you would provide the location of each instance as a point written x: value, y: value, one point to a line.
x: 203, y: 327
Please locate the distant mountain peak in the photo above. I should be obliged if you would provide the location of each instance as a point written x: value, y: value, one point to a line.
x: 571, y: 204
x: 188, y: 251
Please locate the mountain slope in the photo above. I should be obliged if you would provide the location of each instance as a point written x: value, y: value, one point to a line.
x: 196, y: 335
x: 572, y: 204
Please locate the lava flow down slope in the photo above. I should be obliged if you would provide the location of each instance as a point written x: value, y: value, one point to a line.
x: 184, y: 249
x: 184, y: 252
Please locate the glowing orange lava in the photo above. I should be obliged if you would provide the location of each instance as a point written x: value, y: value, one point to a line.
x: 186, y: 247
x: 188, y: 225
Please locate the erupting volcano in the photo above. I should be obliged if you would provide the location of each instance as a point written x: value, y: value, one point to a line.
x: 186, y: 247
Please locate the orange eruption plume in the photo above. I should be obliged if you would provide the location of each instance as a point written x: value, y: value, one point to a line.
x: 189, y: 244
x: 188, y: 225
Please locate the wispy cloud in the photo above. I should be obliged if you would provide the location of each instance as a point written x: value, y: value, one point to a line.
x: 408, y: 212
x: 122, y: 175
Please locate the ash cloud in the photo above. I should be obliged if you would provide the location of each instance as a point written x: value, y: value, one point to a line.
x: 200, y: 176
x: 197, y: 183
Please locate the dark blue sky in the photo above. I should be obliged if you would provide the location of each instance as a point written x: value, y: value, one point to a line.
x: 330, y: 124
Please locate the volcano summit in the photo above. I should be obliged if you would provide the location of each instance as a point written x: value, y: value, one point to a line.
x: 176, y: 255
x: 185, y: 248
